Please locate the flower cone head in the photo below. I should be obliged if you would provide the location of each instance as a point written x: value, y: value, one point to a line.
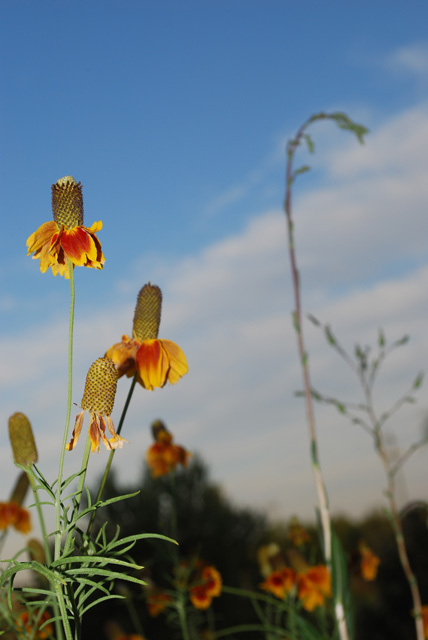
x: 100, y: 387
x: 22, y: 440
x: 65, y: 238
x: 98, y: 400
x: 147, y: 315
x: 67, y: 202
x: 20, y: 489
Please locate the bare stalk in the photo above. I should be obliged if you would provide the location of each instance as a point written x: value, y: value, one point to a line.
x: 319, y: 483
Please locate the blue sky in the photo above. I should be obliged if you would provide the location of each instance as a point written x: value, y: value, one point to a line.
x: 174, y: 116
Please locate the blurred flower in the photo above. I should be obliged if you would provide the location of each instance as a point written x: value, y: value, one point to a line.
x: 424, y: 612
x: 157, y: 601
x: 25, y: 625
x: 313, y: 585
x: 279, y: 582
x: 207, y: 586
x: 115, y: 632
x: 65, y: 237
x: 156, y: 361
x: 369, y: 562
x: 297, y: 534
x: 13, y: 515
x: 164, y: 456
x: 98, y: 400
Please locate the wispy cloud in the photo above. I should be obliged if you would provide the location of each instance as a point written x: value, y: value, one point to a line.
x: 410, y: 59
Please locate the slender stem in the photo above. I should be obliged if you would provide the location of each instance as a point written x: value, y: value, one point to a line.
x: 63, y: 610
x: 68, y: 414
x: 58, y: 627
x: 58, y: 529
x: 319, y: 483
x: 181, y: 608
x: 110, y: 458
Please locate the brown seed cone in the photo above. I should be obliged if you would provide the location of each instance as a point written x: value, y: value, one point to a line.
x: 22, y: 439
x: 67, y: 202
x: 147, y: 314
x: 100, y: 387
x: 20, y: 489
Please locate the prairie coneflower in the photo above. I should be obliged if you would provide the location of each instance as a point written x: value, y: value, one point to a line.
x: 279, y: 582
x: 164, y: 456
x: 26, y: 622
x: 369, y: 562
x: 313, y: 585
x: 98, y: 400
x: 156, y: 361
x: 207, y: 586
x: 157, y: 602
x: 13, y: 515
x: 65, y: 237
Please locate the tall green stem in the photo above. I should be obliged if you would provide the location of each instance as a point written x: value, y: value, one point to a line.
x: 58, y: 528
x: 110, y: 458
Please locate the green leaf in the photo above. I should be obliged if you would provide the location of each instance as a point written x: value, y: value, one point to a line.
x: 295, y: 322
x: 344, y: 122
x: 340, y: 407
x: 314, y: 320
x: 303, y: 169
x: 307, y: 631
x: 339, y: 577
x: 111, y: 596
x: 330, y: 337
x: 418, y: 381
x: 403, y: 340
x: 381, y: 339
x: 309, y: 143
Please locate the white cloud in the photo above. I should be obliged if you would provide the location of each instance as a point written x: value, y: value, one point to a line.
x: 229, y: 307
x: 412, y: 58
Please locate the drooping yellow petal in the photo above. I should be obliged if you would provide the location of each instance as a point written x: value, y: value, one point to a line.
x: 76, y: 431
x: 152, y: 364
x: 41, y: 236
x: 177, y: 361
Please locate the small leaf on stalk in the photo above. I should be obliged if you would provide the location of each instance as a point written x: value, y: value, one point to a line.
x: 417, y: 383
x: 330, y: 337
x: 340, y: 407
x: 309, y: 143
x: 301, y: 170
x: 344, y: 122
x: 313, y: 320
x: 381, y: 339
x: 295, y: 322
